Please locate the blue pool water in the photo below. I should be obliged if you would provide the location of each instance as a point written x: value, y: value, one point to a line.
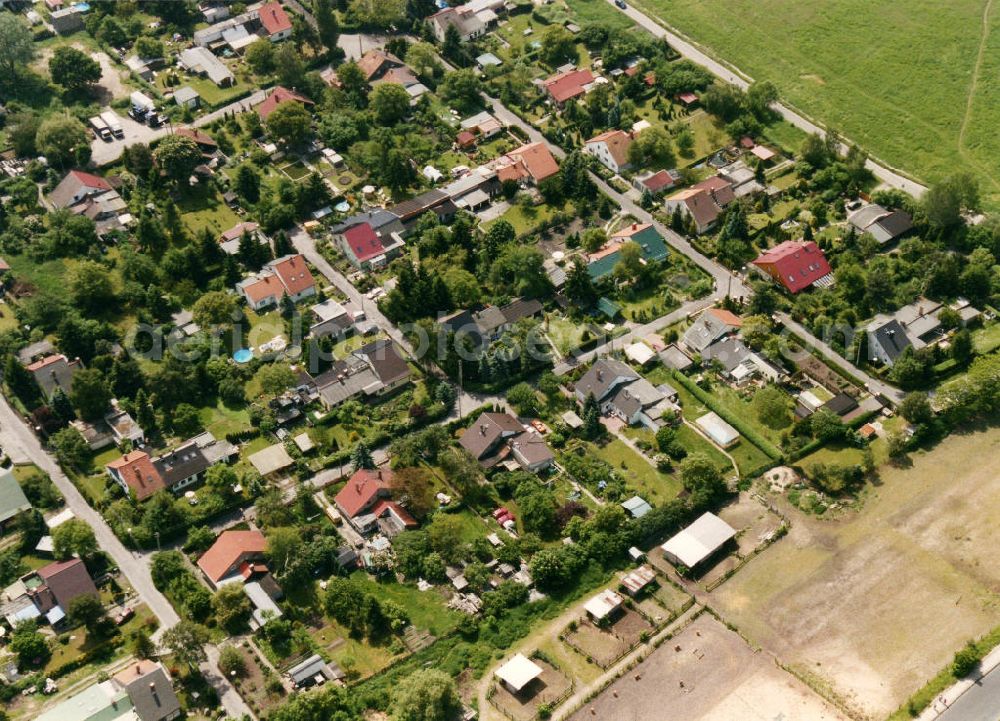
x: 243, y: 355
x: 82, y: 7
x: 342, y: 207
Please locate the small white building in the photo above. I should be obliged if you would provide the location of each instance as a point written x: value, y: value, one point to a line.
x: 723, y: 434
x: 604, y: 605
x: 699, y: 541
x: 518, y: 673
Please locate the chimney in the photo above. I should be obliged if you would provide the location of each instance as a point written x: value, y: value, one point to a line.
x: 600, y: 376
x: 634, y: 226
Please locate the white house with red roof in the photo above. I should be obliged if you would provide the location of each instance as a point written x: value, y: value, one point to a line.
x: 365, y: 499
x: 365, y: 248
x: 234, y: 556
x: 75, y: 187
x: 796, y: 265
x: 611, y: 149
x: 275, y: 21
x: 288, y: 275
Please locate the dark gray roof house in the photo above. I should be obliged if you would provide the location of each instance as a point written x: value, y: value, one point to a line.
x: 603, y: 377
x: 149, y: 688
x: 12, y: 498
x: 886, y: 340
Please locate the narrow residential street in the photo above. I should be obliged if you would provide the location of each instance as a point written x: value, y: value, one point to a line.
x: 741, y: 80
x: 21, y: 444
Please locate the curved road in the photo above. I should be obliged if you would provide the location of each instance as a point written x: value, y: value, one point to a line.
x: 736, y: 77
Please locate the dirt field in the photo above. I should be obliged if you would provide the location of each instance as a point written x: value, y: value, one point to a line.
x: 548, y: 687
x: 852, y: 602
x: 713, y: 663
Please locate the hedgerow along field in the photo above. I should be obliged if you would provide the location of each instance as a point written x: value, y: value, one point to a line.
x: 915, y: 83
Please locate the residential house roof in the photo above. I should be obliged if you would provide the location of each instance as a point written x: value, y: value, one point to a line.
x: 150, y: 689
x: 12, y: 498
x: 67, y: 580
x: 700, y: 204
x: 376, y: 62
x: 362, y: 490
x: 274, y: 18
x: 720, y: 188
x: 384, y: 358
x: 238, y: 230
x: 618, y: 142
x: 533, y: 160
x: 271, y: 459
x: 363, y: 242
x: 568, y: 85
x: 602, y: 377
x: 53, y: 372
x: 199, y: 136
x: 278, y: 96
x: 890, y: 335
x: 136, y: 469
x: 794, y: 264
x: 294, y: 273
x: 660, y: 180
x: 75, y: 183
x: 482, y: 437
x: 268, y: 286
x: 228, y: 548
x: 180, y: 464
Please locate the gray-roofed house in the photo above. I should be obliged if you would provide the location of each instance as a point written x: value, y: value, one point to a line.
x: 882, y: 224
x: 54, y: 372
x: 604, y: 376
x: 497, y: 437
x: 330, y: 318
x: 12, y: 498
x: 636, y: 506
x: 624, y: 394
x: 201, y: 61
x: 182, y: 466
x: 373, y: 370
x: 710, y: 326
x: 149, y: 688
x: 313, y: 671
x: 886, y: 340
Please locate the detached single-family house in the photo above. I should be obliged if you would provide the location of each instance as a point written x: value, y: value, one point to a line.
x: 624, y: 394
x: 409, y: 212
x: 365, y: 248
x: 796, y: 265
x: 702, y: 202
x: 232, y: 557
x: 330, y: 318
x: 277, y: 26
x: 602, y: 263
x: 496, y: 438
x: 76, y: 187
x: 374, y: 370
x: 66, y: 20
x: 149, y: 688
x: 611, y: 149
x: 54, y: 372
x: 529, y: 165
x: 365, y: 501
x: 287, y: 275
x: 464, y: 19
x: 657, y: 182
x: 278, y: 96
x: 711, y: 325
x: 568, y: 85
x: 136, y: 474
x: 489, y: 324
x: 883, y: 225
x: 376, y: 63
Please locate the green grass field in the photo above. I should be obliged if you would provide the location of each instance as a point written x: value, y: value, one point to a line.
x: 921, y: 97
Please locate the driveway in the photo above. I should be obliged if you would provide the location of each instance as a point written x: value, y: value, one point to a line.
x: 106, y: 153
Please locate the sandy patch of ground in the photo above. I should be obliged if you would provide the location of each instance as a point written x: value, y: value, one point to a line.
x: 111, y: 85
x: 852, y: 602
x: 685, y: 678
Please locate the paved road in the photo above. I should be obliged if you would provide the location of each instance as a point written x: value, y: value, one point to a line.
x: 736, y: 77
x: 21, y: 444
x: 872, y: 384
x: 306, y: 245
x: 981, y: 702
x: 103, y: 153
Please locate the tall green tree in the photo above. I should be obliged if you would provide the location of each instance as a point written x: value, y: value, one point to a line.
x: 326, y: 23
x: 16, y: 46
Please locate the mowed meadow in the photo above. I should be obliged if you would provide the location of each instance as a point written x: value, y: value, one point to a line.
x: 915, y: 82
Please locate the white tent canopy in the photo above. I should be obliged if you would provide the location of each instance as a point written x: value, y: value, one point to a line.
x: 518, y: 672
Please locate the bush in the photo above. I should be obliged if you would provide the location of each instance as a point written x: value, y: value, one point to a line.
x: 965, y: 661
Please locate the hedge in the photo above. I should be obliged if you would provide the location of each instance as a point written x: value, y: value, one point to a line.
x: 750, y: 434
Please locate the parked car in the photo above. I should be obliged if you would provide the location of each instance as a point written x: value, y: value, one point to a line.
x: 124, y: 616
x: 620, y: 4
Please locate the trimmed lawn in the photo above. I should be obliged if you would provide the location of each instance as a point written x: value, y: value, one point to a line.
x: 426, y: 609
x: 221, y: 420
x: 200, y: 211
x: 986, y: 340
x: 639, y: 475
x: 525, y: 220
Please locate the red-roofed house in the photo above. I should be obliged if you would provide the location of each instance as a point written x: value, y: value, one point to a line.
x: 361, y: 494
x: 795, y: 264
x: 231, y: 550
x: 611, y: 149
x: 136, y: 474
x: 687, y: 99
x: 278, y: 96
x: 530, y: 163
x: 394, y: 518
x: 658, y: 182
x: 285, y: 276
x: 203, y: 140
x: 276, y: 22
x: 76, y: 186
x: 568, y: 85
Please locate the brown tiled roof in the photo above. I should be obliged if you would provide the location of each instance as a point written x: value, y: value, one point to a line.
x: 228, y: 550
x: 139, y: 473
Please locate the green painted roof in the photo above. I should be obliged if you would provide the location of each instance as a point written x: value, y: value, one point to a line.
x: 12, y: 498
x: 100, y: 702
x: 654, y: 248
x: 608, y: 307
